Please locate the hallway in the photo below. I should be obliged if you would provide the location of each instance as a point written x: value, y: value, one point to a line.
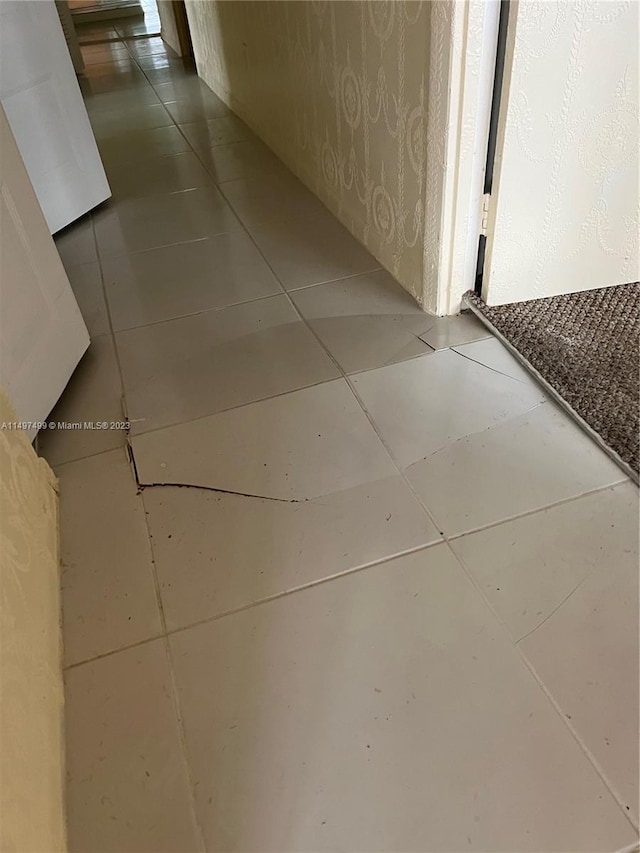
x: 372, y: 590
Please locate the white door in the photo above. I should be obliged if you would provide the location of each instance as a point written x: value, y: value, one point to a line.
x: 563, y: 212
x: 42, y: 333
x: 42, y: 101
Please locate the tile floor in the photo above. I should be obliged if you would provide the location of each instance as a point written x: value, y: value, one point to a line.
x: 397, y: 611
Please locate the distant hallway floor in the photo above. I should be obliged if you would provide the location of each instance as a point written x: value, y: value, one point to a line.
x: 397, y: 609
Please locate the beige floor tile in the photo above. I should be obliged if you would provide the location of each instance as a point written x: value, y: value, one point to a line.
x: 140, y: 144
x: 86, y: 283
x: 208, y: 362
x: 453, y: 331
x: 109, y: 598
x: 148, y: 223
x: 133, y: 29
x: 297, y: 446
x: 113, y: 68
x: 366, y: 321
x: 519, y: 465
x: 161, y: 70
x: 527, y: 567
x: 93, y: 54
x: 220, y: 552
x: 120, y: 99
x: 245, y: 159
x: 153, y: 176
x: 108, y: 124
x: 311, y: 252
x: 94, y: 394
x: 422, y: 405
x: 98, y: 46
x: 94, y: 32
x: 127, y: 785
x: 274, y: 198
x: 385, y: 710
x: 154, y: 46
x: 196, y: 107
x: 183, y: 87
x: 203, y: 135
x: 586, y: 654
x: 491, y: 353
x: 212, y: 273
x: 76, y: 243
x: 162, y: 60
x: 101, y: 79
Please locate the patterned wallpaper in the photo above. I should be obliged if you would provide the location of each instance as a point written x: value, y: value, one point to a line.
x: 339, y: 91
x: 31, y: 694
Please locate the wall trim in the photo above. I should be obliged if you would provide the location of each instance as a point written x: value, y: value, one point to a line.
x: 461, y: 69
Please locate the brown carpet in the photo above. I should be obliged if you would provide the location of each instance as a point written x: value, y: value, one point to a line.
x: 585, y: 348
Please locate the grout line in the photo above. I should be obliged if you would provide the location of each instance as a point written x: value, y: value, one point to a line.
x: 164, y: 194
x: 561, y: 502
x: 111, y: 652
x: 169, y: 632
x: 106, y: 304
x: 345, y: 278
x: 167, y: 245
x: 310, y: 585
x: 55, y: 465
x: 624, y: 807
x: 174, y: 689
x: 212, y: 310
x: 164, y: 246
x: 554, y: 704
x: 433, y: 351
x: 186, y: 757
x: 401, y: 471
x: 175, y: 699
x: 123, y: 403
x: 233, y: 408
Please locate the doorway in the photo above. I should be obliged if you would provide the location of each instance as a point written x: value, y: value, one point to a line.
x: 109, y: 20
x: 563, y: 169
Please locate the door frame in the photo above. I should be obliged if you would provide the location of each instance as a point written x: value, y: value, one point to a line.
x: 182, y: 28
x: 463, y: 48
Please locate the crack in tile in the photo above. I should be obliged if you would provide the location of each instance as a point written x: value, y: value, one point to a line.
x: 555, y: 609
x: 142, y: 486
x: 502, y: 422
x: 488, y: 367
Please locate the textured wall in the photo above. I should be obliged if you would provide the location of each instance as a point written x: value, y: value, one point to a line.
x: 339, y: 91
x: 31, y: 693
